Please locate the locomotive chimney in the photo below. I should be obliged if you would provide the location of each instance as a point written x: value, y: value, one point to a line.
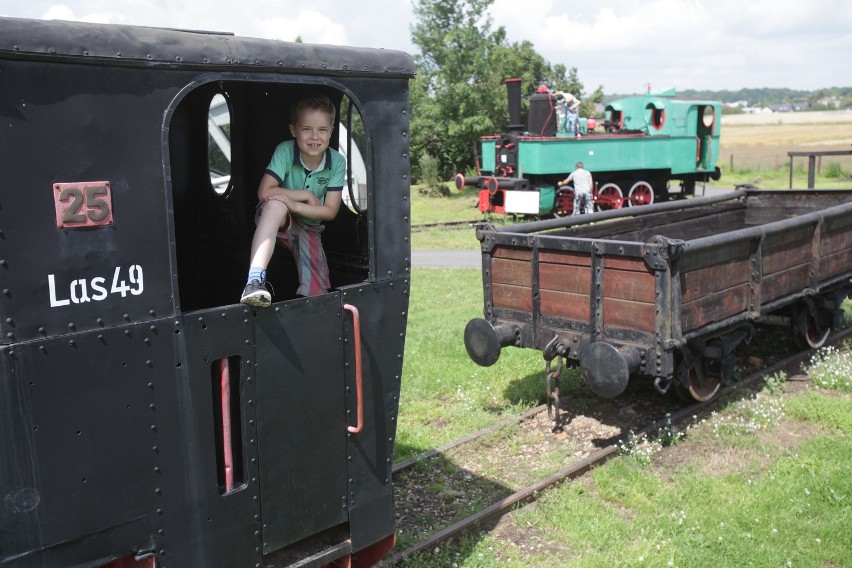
x: 513, y: 92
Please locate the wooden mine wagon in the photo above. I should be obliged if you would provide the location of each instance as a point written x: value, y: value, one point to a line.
x: 665, y: 291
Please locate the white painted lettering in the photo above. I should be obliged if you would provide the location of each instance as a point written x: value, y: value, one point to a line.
x: 99, y: 292
x: 84, y: 291
x: 51, y: 284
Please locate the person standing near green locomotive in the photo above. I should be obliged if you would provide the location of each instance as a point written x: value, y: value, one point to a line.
x: 582, y: 188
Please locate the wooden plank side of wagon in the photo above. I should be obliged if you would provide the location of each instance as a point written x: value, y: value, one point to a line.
x: 715, y: 283
x: 764, y: 206
x: 565, y: 284
x: 629, y: 294
x: 786, y: 258
x: 835, y: 248
x: 511, y: 279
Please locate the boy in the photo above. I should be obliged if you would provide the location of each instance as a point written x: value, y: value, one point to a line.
x: 300, y: 188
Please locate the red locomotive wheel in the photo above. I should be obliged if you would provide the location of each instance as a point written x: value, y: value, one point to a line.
x: 609, y: 197
x: 640, y: 194
x: 564, y: 202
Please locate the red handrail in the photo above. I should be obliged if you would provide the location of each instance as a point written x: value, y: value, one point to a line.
x: 225, y: 387
x: 359, y: 394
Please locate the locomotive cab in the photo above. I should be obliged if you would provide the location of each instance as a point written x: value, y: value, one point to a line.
x: 148, y: 418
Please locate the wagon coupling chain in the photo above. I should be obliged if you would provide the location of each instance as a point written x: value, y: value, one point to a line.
x: 553, y: 388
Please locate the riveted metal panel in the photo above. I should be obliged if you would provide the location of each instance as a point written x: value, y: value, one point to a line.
x: 383, y: 312
x: 65, y: 280
x: 205, y: 526
x: 301, y: 418
x: 82, y: 416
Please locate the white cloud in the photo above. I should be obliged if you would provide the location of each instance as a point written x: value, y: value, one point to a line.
x: 706, y: 44
x: 64, y: 12
x: 310, y: 25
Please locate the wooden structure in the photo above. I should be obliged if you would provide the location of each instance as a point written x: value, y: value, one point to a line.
x: 665, y: 291
x: 812, y: 162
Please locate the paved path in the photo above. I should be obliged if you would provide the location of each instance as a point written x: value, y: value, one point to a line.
x: 446, y: 258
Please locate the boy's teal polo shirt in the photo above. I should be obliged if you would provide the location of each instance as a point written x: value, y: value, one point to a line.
x: 286, y: 166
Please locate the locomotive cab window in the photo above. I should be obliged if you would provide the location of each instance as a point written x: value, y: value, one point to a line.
x: 222, y: 136
x: 219, y: 143
x: 655, y: 116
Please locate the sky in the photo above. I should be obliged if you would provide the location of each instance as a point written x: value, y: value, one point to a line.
x: 625, y: 46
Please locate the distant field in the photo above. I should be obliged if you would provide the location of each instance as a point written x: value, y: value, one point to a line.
x: 763, y: 140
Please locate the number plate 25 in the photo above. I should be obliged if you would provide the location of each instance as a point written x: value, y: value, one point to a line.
x: 82, y: 204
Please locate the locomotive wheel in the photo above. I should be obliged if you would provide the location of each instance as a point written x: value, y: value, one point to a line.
x: 702, y: 385
x: 609, y: 197
x: 564, y: 202
x: 640, y: 194
x: 808, y: 332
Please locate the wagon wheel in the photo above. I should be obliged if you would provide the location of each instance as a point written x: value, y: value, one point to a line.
x: 564, y: 202
x: 807, y: 331
x: 640, y: 194
x: 609, y: 197
x: 702, y: 385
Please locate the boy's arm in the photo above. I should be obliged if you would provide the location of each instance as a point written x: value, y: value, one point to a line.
x: 270, y: 189
x: 319, y: 211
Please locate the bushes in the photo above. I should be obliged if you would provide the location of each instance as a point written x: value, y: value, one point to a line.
x: 432, y: 186
x: 834, y: 170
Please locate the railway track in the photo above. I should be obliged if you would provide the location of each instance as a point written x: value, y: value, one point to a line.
x: 581, y: 463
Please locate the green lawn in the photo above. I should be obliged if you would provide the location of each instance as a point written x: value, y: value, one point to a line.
x: 764, y: 482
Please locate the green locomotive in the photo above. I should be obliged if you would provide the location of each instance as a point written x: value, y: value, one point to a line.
x: 645, y: 142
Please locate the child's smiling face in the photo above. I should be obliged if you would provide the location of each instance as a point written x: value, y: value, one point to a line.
x: 312, y: 132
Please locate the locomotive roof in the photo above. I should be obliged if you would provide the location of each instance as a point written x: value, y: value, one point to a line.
x: 658, y: 101
x: 138, y: 45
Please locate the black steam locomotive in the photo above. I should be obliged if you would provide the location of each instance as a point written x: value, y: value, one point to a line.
x: 147, y: 419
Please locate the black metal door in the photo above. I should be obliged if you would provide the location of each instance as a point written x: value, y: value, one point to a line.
x: 301, y: 418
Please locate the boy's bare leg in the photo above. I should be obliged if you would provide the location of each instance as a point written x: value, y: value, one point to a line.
x: 273, y: 217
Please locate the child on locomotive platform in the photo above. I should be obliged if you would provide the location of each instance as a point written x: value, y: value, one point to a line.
x: 582, y: 188
x: 301, y: 188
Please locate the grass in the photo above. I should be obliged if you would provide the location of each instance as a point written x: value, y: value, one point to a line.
x: 750, y: 486
x: 458, y: 206
x: 764, y: 482
x: 445, y: 395
x: 778, y: 177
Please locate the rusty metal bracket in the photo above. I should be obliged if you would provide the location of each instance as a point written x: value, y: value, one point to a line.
x: 659, y: 251
x: 553, y: 388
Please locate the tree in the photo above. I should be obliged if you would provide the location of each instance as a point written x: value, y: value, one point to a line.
x: 459, y: 93
x: 452, y: 103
